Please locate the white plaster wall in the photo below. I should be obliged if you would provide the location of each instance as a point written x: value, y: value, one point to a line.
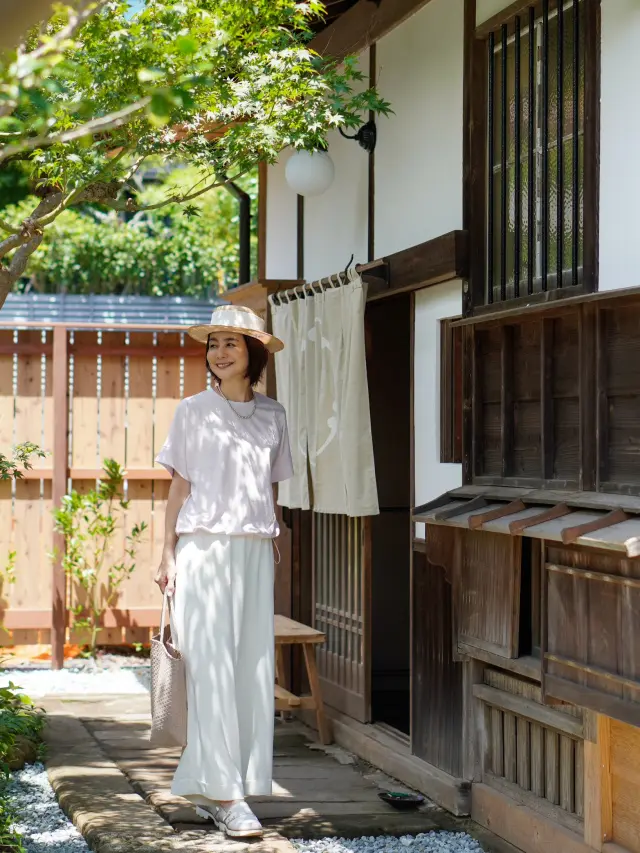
x: 432, y: 477
x: 619, y: 153
x: 486, y: 9
x: 336, y: 222
x: 419, y: 153
x: 281, y: 262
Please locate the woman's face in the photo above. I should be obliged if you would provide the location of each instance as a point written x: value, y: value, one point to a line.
x: 228, y: 356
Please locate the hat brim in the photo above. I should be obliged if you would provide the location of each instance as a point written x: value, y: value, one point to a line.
x: 270, y: 342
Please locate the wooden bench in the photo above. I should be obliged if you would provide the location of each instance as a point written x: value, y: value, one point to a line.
x: 291, y: 633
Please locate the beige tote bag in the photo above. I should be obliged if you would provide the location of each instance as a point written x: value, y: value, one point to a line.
x: 168, y: 688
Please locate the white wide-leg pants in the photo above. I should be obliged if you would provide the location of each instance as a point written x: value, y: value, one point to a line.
x: 222, y: 620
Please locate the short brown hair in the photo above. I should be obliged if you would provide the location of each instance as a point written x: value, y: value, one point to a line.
x: 258, y: 358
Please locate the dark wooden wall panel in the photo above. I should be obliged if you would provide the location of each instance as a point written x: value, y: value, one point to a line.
x: 525, y: 371
x: 487, y: 592
x: 593, y: 632
x: 489, y: 461
x: 437, y: 678
x: 565, y: 389
x: 620, y: 346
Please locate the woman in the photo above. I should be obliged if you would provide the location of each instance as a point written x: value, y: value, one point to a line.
x: 225, y: 449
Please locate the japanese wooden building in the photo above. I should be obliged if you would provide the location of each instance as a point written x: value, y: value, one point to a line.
x: 484, y: 628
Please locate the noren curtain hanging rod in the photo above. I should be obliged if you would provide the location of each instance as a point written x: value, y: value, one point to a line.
x: 302, y: 291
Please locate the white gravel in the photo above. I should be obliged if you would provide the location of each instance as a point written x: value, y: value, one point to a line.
x: 45, y: 682
x: 426, y: 842
x: 41, y: 822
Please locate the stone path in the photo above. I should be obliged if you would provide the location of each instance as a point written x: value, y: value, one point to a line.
x: 116, y: 787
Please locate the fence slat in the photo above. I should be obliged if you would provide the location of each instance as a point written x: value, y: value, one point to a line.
x: 121, y: 405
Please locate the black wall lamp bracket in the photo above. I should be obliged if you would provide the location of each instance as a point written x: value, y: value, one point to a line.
x: 366, y: 136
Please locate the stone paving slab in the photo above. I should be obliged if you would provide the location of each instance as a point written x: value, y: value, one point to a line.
x: 113, y: 818
x: 116, y: 788
x: 314, y: 794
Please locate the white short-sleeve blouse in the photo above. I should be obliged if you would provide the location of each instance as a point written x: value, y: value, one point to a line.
x: 231, y: 463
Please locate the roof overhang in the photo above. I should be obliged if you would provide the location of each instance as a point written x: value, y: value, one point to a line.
x: 591, y: 519
x: 363, y: 24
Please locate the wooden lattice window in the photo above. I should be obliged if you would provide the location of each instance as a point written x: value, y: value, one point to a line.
x: 539, y: 211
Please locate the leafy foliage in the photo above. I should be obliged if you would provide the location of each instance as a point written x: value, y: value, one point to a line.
x: 218, y: 84
x: 89, y: 523
x: 11, y: 467
x: 154, y: 253
x: 10, y: 841
x: 21, y: 725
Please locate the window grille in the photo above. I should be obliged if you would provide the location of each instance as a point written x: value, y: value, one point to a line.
x: 535, y: 146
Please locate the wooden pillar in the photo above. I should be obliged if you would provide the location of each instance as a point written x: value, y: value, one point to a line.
x: 262, y: 221
x: 59, y: 488
x: 598, y: 807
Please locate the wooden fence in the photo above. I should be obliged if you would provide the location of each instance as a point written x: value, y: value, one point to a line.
x: 86, y: 393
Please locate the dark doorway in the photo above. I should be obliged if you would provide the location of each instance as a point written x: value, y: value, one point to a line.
x: 388, y: 329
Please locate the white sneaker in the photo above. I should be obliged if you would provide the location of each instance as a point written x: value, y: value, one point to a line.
x: 236, y: 820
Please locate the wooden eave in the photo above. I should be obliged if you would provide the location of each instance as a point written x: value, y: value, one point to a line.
x: 553, y: 301
x: 591, y: 519
x: 362, y: 25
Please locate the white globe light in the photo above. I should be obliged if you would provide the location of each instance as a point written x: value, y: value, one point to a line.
x: 309, y: 173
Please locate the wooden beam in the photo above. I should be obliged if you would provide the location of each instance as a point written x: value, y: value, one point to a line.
x: 104, y: 349
x: 478, y: 521
x: 97, y: 474
x: 516, y: 527
x: 470, y: 506
x: 93, y: 327
x: 363, y: 25
x: 592, y: 669
x: 598, y: 577
x: 58, y: 490
x: 26, y: 349
x: 529, y: 709
x: 441, y: 259
x: 570, y: 534
x: 591, y: 697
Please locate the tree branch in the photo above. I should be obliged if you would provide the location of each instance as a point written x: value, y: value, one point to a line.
x: 9, y: 275
x: 131, y: 206
x: 10, y: 243
x: 76, y: 20
x: 31, y: 225
x: 134, y: 168
x: 7, y: 227
x: 98, y: 125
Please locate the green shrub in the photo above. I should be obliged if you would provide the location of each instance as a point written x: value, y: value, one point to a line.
x: 157, y: 253
x: 21, y: 725
x: 88, y: 523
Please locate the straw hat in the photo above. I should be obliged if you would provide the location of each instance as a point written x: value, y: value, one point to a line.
x: 241, y: 321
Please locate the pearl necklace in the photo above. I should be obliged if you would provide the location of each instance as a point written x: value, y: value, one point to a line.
x: 233, y: 409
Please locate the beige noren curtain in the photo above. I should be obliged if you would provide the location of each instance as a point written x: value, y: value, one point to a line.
x: 322, y: 382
